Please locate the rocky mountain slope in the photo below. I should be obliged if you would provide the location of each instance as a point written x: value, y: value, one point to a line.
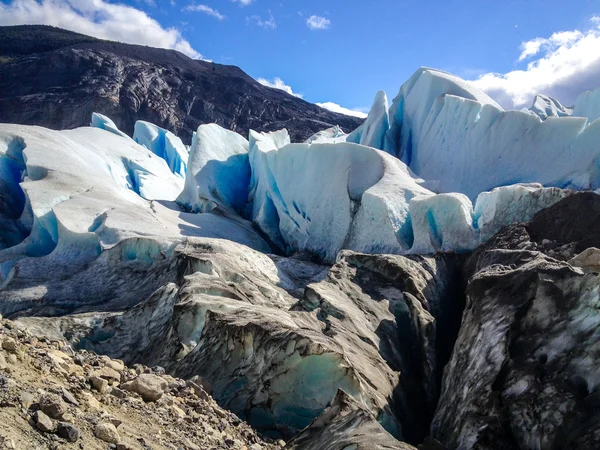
x: 56, y: 79
x: 52, y: 397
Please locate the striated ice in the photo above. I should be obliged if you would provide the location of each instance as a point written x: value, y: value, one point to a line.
x: 450, y: 133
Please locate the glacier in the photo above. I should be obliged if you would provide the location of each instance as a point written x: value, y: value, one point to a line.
x: 78, y: 194
x: 218, y: 172
x: 450, y: 133
x: 544, y: 106
x: 443, y: 169
x: 295, y: 277
x: 164, y: 144
x: 588, y: 105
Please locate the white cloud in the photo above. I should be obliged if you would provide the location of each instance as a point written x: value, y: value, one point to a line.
x: 318, y: 23
x: 270, y: 23
x: 562, y: 66
x: 531, y: 48
x: 206, y: 10
x: 278, y: 83
x: 334, y: 107
x: 97, y: 18
x: 243, y: 2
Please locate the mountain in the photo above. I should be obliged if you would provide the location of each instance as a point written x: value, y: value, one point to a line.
x: 56, y: 78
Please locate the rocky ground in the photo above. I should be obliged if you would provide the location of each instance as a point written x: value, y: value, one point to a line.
x: 52, y: 397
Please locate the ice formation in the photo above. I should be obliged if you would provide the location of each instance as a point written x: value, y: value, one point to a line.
x: 164, y: 144
x: 443, y: 169
x: 218, y: 171
x: 544, y: 107
x: 105, y: 123
x: 588, y: 105
x: 78, y: 193
x: 321, y: 198
x: 447, y: 131
x: 372, y: 132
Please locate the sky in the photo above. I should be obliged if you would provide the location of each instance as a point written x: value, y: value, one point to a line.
x: 339, y: 53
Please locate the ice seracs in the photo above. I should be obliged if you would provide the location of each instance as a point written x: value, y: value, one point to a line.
x: 588, y: 105
x: 447, y: 131
x: 372, y: 132
x: 544, y: 106
x: 218, y: 173
x: 320, y: 198
x: 164, y: 144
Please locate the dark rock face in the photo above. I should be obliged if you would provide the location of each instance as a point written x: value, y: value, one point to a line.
x: 56, y: 79
x: 524, y: 371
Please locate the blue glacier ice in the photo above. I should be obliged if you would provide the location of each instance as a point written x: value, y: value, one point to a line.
x: 320, y: 198
x: 442, y: 222
x: 218, y: 171
x: 373, y: 130
x: 164, y: 144
x: 81, y: 192
x: 544, y: 106
x: 588, y: 105
x: 454, y: 135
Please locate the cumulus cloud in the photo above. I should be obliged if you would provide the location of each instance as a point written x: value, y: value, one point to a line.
x: 98, y: 18
x: 264, y: 23
x: 334, y: 107
x: 278, y: 83
x: 562, y: 66
x: 206, y: 10
x: 318, y: 23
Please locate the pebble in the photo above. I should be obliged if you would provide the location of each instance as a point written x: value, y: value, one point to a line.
x: 9, y: 344
x: 43, y: 422
x: 107, y: 432
x: 68, y: 431
x: 52, y: 405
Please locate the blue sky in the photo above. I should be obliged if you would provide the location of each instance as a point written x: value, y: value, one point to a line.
x: 343, y: 51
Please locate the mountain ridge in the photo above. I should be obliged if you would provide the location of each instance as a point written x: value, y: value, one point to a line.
x: 77, y: 75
